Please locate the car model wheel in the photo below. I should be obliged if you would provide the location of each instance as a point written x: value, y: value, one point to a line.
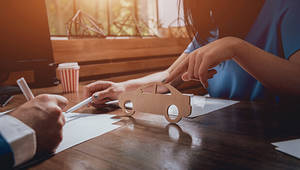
x: 129, y: 111
x: 172, y: 114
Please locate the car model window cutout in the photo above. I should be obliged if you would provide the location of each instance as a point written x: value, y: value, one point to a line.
x: 152, y: 89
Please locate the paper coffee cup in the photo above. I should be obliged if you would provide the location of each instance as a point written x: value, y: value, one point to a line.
x: 69, y: 76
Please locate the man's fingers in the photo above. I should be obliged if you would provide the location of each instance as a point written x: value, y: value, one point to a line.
x: 59, y: 100
x: 62, y: 120
x: 178, y: 71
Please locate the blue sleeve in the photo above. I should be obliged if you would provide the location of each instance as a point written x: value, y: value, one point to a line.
x: 290, y: 31
x: 6, y: 155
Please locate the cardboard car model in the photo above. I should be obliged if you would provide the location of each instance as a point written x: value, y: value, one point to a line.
x: 153, y: 102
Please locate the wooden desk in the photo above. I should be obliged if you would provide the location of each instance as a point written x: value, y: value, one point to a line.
x: 237, y: 137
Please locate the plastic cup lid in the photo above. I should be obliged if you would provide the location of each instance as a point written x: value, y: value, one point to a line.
x: 68, y: 65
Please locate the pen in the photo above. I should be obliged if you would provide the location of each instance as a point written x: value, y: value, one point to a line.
x: 25, y: 89
x: 85, y: 102
x: 6, y: 112
x: 79, y: 105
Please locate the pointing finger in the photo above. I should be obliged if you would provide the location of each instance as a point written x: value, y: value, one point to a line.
x: 178, y: 70
x: 191, y: 65
x: 203, y: 71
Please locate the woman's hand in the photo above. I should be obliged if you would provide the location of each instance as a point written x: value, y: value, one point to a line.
x: 198, y: 64
x: 103, y: 91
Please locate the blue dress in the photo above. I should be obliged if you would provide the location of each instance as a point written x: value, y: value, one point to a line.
x: 277, y: 31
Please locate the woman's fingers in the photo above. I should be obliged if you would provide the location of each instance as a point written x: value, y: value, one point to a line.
x: 203, y: 72
x: 182, y: 67
x: 90, y: 89
x: 197, y: 65
x: 185, y: 76
x: 211, y: 73
x: 102, y: 96
x: 190, y: 70
x: 99, y: 106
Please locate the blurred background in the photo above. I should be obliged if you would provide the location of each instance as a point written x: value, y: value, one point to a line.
x: 114, y: 40
x: 114, y: 18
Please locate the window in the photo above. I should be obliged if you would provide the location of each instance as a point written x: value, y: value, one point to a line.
x: 107, y: 17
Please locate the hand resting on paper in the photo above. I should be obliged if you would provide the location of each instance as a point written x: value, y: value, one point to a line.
x: 44, y: 115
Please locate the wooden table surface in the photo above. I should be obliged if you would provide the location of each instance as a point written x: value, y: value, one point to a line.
x: 236, y: 137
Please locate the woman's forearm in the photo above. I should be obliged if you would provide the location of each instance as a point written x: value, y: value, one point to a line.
x: 156, y: 77
x: 136, y: 83
x: 275, y: 73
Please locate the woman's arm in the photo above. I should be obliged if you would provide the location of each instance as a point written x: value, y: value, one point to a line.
x: 156, y: 77
x: 273, y: 72
x: 104, y: 91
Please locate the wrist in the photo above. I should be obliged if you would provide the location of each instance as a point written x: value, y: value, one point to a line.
x: 237, y: 45
x: 126, y: 85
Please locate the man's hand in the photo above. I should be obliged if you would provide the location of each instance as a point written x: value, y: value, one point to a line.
x: 44, y: 115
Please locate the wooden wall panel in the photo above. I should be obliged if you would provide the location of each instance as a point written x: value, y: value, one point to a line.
x: 127, y: 77
x: 84, y: 50
x: 130, y: 66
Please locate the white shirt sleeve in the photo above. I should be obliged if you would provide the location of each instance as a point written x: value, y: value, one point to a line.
x: 21, y: 138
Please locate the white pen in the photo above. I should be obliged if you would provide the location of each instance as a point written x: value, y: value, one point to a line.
x: 85, y: 102
x: 6, y: 112
x: 25, y: 89
x: 79, y: 105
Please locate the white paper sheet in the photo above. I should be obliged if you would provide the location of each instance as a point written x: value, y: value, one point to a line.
x: 82, y: 127
x: 291, y: 147
x: 204, y: 105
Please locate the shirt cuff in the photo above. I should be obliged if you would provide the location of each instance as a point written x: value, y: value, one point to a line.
x: 21, y: 138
